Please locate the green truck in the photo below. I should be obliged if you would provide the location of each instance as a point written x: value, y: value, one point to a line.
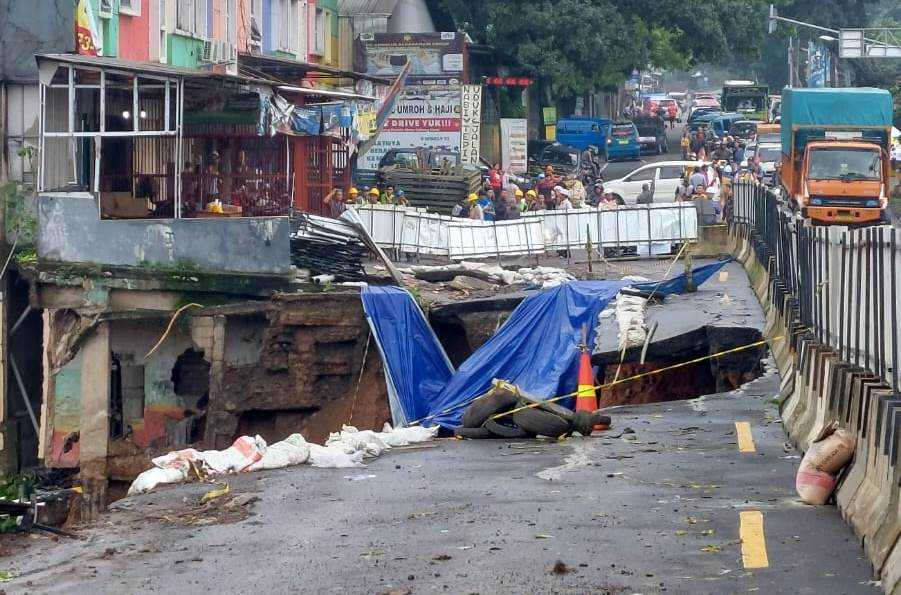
x: 746, y: 97
x: 835, y: 154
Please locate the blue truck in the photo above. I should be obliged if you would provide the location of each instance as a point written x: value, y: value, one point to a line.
x: 581, y: 132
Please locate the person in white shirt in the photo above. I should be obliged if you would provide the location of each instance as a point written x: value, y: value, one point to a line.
x: 564, y: 204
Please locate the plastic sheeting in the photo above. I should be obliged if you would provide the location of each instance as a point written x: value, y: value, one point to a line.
x: 536, y: 348
x: 416, y: 367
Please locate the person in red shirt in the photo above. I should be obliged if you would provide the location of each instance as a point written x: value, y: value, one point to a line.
x: 496, y: 180
x: 671, y: 111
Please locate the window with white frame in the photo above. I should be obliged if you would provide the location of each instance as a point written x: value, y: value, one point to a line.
x: 130, y: 7
x: 319, y: 32
x: 164, y: 30
x: 191, y: 18
x: 284, y: 25
x: 256, y: 23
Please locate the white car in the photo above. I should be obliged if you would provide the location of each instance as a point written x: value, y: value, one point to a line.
x: 663, y: 176
x: 769, y: 155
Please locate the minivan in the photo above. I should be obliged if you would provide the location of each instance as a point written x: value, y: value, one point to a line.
x: 582, y: 133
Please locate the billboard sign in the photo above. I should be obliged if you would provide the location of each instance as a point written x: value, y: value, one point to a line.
x: 421, y: 117
x: 435, y: 58
x: 471, y: 137
x: 514, y: 145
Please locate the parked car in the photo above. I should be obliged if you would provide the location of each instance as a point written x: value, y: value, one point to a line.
x: 582, y: 133
x: 651, y: 135
x: 769, y: 155
x: 564, y: 159
x: 663, y: 176
x: 622, y: 141
x: 700, y: 112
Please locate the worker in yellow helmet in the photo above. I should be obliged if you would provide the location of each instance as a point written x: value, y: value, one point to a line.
x: 374, y: 195
x: 353, y: 195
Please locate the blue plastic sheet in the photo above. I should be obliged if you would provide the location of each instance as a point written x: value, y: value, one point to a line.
x: 537, y: 348
x: 416, y: 367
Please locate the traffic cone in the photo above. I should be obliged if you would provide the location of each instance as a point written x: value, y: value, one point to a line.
x: 586, y: 397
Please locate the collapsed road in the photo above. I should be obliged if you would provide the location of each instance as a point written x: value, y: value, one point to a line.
x: 664, y: 501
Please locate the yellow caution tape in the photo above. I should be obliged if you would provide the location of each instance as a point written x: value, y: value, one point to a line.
x: 601, y: 386
x: 213, y: 494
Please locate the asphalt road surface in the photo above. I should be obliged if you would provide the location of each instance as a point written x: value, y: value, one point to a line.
x: 618, y: 169
x: 659, y: 503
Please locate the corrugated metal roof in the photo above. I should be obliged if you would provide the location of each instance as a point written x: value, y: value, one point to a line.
x: 151, y: 68
x: 366, y: 7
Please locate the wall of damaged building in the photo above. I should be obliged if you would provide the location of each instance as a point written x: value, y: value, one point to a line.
x: 296, y: 368
x: 270, y: 368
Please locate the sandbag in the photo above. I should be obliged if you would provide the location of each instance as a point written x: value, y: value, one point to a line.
x: 293, y: 450
x: 351, y: 440
x: 334, y: 458
x: 407, y: 436
x: 826, y: 456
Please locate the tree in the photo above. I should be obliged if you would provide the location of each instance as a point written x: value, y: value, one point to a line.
x: 571, y: 46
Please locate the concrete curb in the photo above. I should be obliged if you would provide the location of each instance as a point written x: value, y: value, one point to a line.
x: 818, y: 388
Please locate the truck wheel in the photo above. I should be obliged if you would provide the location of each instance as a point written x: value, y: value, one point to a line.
x: 484, y: 407
x: 504, y: 431
x: 544, y: 423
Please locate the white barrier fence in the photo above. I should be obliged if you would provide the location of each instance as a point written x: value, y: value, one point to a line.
x: 652, y: 229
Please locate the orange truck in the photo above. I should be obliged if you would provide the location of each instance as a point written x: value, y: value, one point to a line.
x: 835, y: 154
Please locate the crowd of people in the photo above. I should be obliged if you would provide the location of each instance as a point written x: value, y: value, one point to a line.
x: 500, y: 199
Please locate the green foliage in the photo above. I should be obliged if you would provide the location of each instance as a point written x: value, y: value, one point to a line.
x: 12, y: 487
x: 20, y: 222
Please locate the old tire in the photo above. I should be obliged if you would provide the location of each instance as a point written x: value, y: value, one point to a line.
x: 504, y: 431
x: 484, y: 407
x: 540, y: 422
x: 474, y: 433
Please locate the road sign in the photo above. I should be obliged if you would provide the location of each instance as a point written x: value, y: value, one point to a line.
x: 869, y: 43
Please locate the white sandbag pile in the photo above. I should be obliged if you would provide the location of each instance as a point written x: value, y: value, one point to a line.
x: 344, y: 449
x: 629, y: 311
x: 536, y: 277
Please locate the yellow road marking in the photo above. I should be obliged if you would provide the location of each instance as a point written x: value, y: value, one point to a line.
x: 753, y: 541
x: 745, y: 439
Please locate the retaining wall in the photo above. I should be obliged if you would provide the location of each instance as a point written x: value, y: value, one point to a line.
x: 820, y: 387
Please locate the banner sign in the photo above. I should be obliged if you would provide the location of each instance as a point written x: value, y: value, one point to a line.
x: 433, y: 56
x: 514, y: 145
x: 421, y: 117
x: 471, y: 138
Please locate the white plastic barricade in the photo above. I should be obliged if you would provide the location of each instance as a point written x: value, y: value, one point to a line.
x: 483, y: 239
x: 651, y: 228
x: 424, y: 233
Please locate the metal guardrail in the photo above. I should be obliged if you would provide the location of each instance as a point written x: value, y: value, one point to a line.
x: 840, y: 283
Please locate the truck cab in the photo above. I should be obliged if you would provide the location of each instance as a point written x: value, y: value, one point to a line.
x: 835, y: 163
x: 844, y: 182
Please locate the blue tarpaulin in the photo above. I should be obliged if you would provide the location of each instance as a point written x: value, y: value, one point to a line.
x: 536, y: 349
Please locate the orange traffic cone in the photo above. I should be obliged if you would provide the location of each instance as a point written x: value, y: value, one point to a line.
x: 586, y: 397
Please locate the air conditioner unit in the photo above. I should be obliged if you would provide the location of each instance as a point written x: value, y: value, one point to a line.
x: 208, y: 54
x: 227, y: 52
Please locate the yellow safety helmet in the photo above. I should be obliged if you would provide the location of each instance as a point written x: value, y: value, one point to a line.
x: 353, y: 191
x: 472, y: 197
x: 517, y: 193
x: 532, y: 193
x: 374, y: 191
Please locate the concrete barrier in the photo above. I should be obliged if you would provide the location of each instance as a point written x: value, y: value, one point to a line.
x: 820, y: 387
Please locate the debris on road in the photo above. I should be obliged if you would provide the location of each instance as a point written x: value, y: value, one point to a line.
x: 826, y: 456
x: 344, y: 449
x: 541, y: 276
x: 507, y: 412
